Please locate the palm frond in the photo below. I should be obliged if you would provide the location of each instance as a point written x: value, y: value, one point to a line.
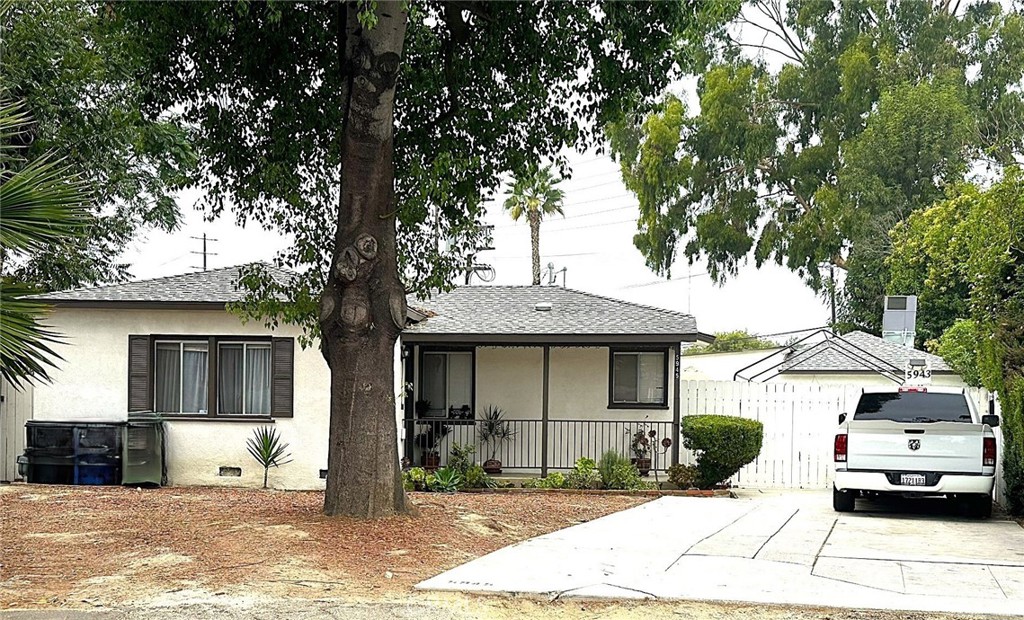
x: 41, y: 204
x: 25, y: 352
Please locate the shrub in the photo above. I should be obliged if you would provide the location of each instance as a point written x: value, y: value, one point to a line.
x: 626, y: 477
x: 476, y: 478
x: 461, y: 458
x: 414, y: 479
x: 554, y: 480
x: 606, y: 467
x: 683, y: 476
x: 446, y: 480
x: 723, y: 445
x: 584, y: 475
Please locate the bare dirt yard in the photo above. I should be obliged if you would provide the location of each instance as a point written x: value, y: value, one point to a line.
x: 171, y: 550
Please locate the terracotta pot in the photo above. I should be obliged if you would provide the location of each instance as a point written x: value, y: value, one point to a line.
x: 643, y: 466
x: 492, y: 466
x: 431, y: 460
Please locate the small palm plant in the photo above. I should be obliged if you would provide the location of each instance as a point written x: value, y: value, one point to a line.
x: 267, y: 448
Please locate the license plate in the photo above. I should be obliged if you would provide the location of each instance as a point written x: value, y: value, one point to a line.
x: 912, y: 480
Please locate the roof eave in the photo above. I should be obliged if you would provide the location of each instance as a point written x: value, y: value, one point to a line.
x: 413, y: 337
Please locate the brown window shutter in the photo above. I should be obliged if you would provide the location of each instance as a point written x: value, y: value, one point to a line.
x: 140, y: 373
x: 281, y: 387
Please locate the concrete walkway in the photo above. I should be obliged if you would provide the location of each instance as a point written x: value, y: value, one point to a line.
x: 786, y: 549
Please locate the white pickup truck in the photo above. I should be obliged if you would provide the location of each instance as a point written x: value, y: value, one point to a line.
x: 916, y: 441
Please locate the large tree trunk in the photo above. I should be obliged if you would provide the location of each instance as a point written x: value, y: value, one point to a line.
x: 535, y: 243
x: 363, y: 307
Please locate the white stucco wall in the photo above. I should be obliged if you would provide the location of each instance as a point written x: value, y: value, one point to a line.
x: 92, y: 385
x: 579, y: 387
x: 722, y: 366
x: 511, y: 378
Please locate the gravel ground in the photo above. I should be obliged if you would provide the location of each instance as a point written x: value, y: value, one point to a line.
x: 108, y: 553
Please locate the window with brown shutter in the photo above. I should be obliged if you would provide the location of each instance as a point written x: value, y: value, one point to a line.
x: 230, y: 377
x: 140, y: 373
x: 281, y: 390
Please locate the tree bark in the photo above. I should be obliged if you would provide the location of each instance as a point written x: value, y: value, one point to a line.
x: 363, y: 308
x: 534, y: 216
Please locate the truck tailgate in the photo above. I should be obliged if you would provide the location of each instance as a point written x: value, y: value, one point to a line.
x: 883, y: 445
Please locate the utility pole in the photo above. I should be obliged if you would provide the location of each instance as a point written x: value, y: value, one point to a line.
x: 483, y: 271
x: 204, y: 239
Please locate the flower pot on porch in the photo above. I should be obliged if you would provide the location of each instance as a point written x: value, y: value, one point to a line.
x: 643, y: 466
x: 431, y: 460
x: 492, y: 466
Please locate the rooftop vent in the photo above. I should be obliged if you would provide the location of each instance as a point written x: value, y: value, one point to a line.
x: 542, y: 306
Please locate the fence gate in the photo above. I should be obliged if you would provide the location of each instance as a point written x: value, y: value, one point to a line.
x: 799, y: 427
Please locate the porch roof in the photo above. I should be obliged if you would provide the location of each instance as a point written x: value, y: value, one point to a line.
x: 544, y: 315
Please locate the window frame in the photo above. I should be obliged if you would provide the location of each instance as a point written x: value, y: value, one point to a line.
x: 424, y: 351
x: 213, y: 369
x: 612, y: 352
x: 269, y: 345
x: 181, y: 373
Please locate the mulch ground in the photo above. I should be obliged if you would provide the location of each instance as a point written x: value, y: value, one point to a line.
x: 75, y: 546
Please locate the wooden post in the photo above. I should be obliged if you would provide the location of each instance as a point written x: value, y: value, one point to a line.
x: 677, y: 437
x: 544, y: 414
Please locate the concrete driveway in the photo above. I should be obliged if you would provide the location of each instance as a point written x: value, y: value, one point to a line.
x: 788, y: 548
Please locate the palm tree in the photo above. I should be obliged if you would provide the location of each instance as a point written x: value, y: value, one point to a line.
x: 534, y: 195
x: 41, y: 203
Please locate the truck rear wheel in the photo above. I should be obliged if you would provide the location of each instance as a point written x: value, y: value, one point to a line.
x: 979, y: 506
x: 843, y: 501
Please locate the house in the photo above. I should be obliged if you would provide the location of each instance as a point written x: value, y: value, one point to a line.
x: 854, y: 359
x: 572, y: 371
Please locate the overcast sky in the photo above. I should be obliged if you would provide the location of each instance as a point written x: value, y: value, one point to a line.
x: 593, y: 242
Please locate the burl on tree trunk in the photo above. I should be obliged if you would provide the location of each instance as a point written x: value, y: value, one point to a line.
x: 363, y: 306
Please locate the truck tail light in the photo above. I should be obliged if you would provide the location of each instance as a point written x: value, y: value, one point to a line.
x: 988, y: 452
x: 840, y: 448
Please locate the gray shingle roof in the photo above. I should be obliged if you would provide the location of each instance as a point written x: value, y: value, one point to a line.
x: 214, y: 286
x: 857, y: 352
x: 510, y: 310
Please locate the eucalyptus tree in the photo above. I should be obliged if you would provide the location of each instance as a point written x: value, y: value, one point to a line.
x: 366, y: 130
x: 535, y: 196
x: 820, y: 128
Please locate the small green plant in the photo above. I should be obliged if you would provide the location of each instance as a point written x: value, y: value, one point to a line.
x: 414, y: 479
x: 476, y: 478
x: 446, y: 480
x: 267, y: 448
x: 584, y: 475
x: 461, y: 458
x: 626, y: 477
x: 683, y: 476
x: 606, y: 466
x: 493, y: 430
x: 723, y: 445
x: 554, y: 480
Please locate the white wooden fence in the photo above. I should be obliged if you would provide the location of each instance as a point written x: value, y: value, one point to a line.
x: 799, y: 427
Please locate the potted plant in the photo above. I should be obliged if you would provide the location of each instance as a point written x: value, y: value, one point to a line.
x: 429, y: 442
x: 494, y: 431
x: 640, y: 445
x: 422, y: 407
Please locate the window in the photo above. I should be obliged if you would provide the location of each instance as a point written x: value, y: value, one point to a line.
x: 446, y: 382
x: 182, y: 372
x: 638, y: 379
x: 243, y: 378
x: 211, y: 376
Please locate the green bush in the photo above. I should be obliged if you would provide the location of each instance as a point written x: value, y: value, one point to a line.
x: 554, y: 480
x: 476, y: 478
x: 606, y: 467
x: 723, y: 445
x: 414, y: 479
x: 683, y: 476
x: 461, y: 458
x: 584, y: 475
x: 625, y: 477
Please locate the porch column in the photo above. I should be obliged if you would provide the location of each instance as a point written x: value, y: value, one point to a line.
x: 544, y: 414
x: 676, y: 351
